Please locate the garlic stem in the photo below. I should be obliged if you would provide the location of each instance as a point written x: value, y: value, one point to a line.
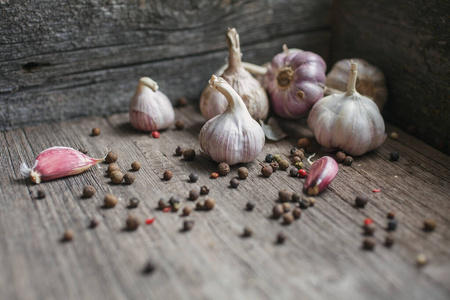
x: 285, y: 49
x: 234, y: 50
x: 234, y: 100
x: 351, y: 88
x: 148, y: 82
x: 254, y: 69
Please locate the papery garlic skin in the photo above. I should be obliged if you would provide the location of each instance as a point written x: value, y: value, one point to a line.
x: 57, y: 162
x: 295, y: 81
x: 150, y: 109
x: 213, y: 103
x: 347, y: 121
x: 234, y: 136
x: 320, y: 175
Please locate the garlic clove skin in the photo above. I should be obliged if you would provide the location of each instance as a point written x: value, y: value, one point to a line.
x: 348, y: 121
x: 150, y: 109
x: 233, y: 136
x: 57, y: 162
x: 320, y: 175
x: 213, y: 103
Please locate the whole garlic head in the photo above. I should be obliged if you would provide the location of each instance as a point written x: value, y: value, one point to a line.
x: 213, y: 103
x: 150, y: 109
x: 347, y: 121
x: 234, y: 136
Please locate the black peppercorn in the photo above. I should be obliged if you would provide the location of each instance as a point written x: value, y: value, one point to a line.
x: 182, y: 101
x: 429, y: 225
x: 284, y: 195
x: 369, y: 244
x: 389, y: 241
x: 269, y: 158
x: 162, y: 204
x: 234, y: 183
x: 179, y: 125
x: 248, y: 232
x: 391, y: 215
x: 392, y: 224
x: 167, y: 175
x: 394, y: 156
x: 340, y: 156
x: 281, y: 238
x: 293, y: 150
x: 188, y: 225
x: 200, y: 205
x: 149, y: 267
x: 133, y: 203
x: 223, y: 169
x: 204, y: 190
x: 250, y: 206
x: 303, y: 203
x: 179, y: 151
x: 295, y: 197
x: 189, y: 154
x: 193, y: 177
x: 94, y: 223
x: 266, y: 171
x: 40, y: 194
x: 361, y: 200
x: 242, y: 172
x: 348, y: 160
x: 293, y: 172
x: 193, y: 195
x: 83, y: 150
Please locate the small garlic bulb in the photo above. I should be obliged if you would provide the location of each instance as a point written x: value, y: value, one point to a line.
x: 232, y: 137
x: 150, y: 109
x: 213, y: 103
x: 347, y: 121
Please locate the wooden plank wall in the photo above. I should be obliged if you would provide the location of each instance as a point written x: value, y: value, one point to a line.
x: 409, y: 41
x: 62, y: 61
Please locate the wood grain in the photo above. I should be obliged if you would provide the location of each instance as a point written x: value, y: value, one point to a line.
x: 322, y: 256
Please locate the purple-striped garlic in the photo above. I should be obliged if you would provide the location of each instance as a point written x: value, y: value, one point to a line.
x: 295, y: 81
x: 347, y: 121
x: 57, y: 162
x: 234, y: 136
x: 213, y: 103
x: 320, y: 175
x: 150, y: 109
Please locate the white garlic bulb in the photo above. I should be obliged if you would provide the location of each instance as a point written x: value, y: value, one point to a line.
x: 150, y: 109
x: 234, y: 136
x: 213, y: 103
x: 347, y: 121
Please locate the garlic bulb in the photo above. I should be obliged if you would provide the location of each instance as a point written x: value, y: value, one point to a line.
x: 370, y: 83
x: 150, y: 109
x: 295, y: 81
x: 213, y: 103
x: 232, y: 137
x: 347, y: 121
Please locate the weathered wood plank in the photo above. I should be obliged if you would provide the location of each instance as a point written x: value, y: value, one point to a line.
x: 322, y: 257
x: 409, y: 42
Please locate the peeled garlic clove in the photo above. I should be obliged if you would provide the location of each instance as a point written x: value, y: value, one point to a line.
x: 213, y: 103
x: 150, y: 109
x: 234, y: 136
x: 320, y: 175
x: 370, y: 82
x: 57, y: 162
x: 347, y: 121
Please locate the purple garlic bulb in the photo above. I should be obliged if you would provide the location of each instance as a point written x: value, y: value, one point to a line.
x: 295, y: 81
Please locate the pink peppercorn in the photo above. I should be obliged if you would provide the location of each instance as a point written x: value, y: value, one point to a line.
x: 214, y: 175
x: 149, y: 221
x: 368, y: 221
x: 302, y: 173
x: 155, y: 134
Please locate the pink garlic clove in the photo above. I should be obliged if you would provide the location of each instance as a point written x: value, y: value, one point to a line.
x: 57, y: 162
x: 320, y: 175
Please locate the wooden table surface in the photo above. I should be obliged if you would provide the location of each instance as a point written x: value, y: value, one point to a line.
x: 322, y: 257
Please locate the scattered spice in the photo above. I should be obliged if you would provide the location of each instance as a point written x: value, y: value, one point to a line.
x: 266, y: 171
x: 361, y: 200
x: 167, y: 209
x: 277, y: 158
x: 376, y: 190
x: 393, y: 135
x: 209, y: 203
x: 284, y: 195
x: 297, y: 213
x: 94, y: 222
x: 234, y: 183
x: 312, y: 201
x: 111, y: 157
x: 112, y: 167
x: 204, y: 190
x: 421, y: 260
x: 269, y: 158
x: 277, y: 211
x: 179, y: 125
x: 295, y: 198
x: 286, y: 207
x: 392, y: 224
x: 40, y: 194
x: 304, y: 203
x: 369, y: 229
x: 429, y: 225
x: 162, y: 204
x: 193, y: 177
x: 394, y: 156
x: 167, y: 175
x: 303, y: 143
x: 193, y: 195
x: 250, y: 206
x: 302, y: 173
x: 149, y: 221
x: 368, y: 221
x: 274, y: 165
x: 223, y: 169
x: 95, y: 131
x: 174, y: 202
x: 83, y: 150
x: 299, y: 155
x: 391, y: 215
x: 284, y: 164
x: 281, y: 238
x: 293, y: 150
x: 116, y: 177
x: 293, y: 172
x: 133, y: 203
x: 389, y: 240
x: 68, y: 235
x: 297, y: 159
x: 179, y: 151
x: 149, y: 268
x: 189, y: 154
x: 183, y: 101
x: 135, y: 166
x: 248, y: 232
x: 214, y: 175
x: 156, y: 134
x: 369, y: 244
x: 110, y: 201
x: 288, y: 218
x: 200, y: 205
x: 340, y: 156
x: 242, y: 172
x: 188, y: 225
x: 129, y: 178
x: 298, y: 165
x: 132, y: 223
x: 187, y: 210
x: 88, y: 191
x: 348, y: 161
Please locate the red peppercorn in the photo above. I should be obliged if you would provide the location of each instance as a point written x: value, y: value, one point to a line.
x: 302, y: 173
x: 166, y: 209
x: 368, y: 221
x: 149, y: 221
x: 376, y: 190
x: 214, y: 175
x: 155, y: 134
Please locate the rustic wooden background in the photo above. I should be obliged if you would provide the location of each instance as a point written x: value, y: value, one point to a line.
x: 321, y: 259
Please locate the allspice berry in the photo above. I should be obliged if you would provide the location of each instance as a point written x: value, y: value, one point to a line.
x: 300, y: 153
x: 429, y: 225
x: 179, y: 151
x: 129, y: 178
x: 132, y: 222
x: 189, y: 154
x: 303, y: 143
x: 40, y: 194
x: 281, y: 237
x: 167, y: 175
x: 242, y: 172
x: 209, y: 203
x: 68, y: 235
x: 193, y: 195
x: 288, y: 218
x: 112, y: 167
x: 187, y: 210
x: 277, y: 211
x: 88, y: 191
x: 223, y: 169
x: 266, y: 171
x: 179, y: 125
x: 188, y: 225
x: 183, y: 101
x: 111, y: 157
x: 340, y: 156
x: 389, y: 241
x: 248, y: 232
x: 284, y: 195
x: 135, y: 166
x: 369, y: 244
x: 95, y: 131
x: 284, y: 164
x: 348, y: 161
x: 110, y: 201
x: 234, y: 183
x: 116, y: 177
x: 361, y: 200
x: 286, y: 207
x: 297, y: 213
